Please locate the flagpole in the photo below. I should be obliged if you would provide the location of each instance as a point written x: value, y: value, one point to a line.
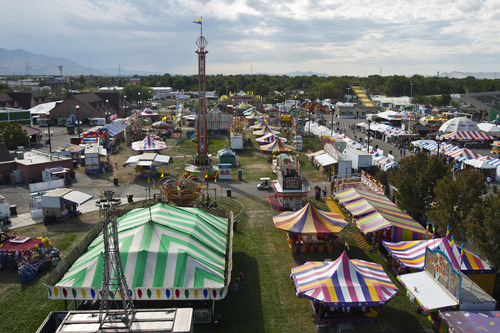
x: 201, y: 26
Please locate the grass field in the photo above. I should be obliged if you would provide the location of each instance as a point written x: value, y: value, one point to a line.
x: 266, y: 304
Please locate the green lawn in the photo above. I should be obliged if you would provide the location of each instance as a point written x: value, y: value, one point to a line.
x: 267, y: 303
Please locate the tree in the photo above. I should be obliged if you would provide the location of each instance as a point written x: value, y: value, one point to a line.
x: 482, y: 225
x: 415, y: 179
x: 454, y: 200
x: 13, y: 135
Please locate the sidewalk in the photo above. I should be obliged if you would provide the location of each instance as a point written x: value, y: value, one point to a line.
x: 23, y: 220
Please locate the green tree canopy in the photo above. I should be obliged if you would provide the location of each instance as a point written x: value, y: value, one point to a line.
x: 415, y: 179
x: 13, y: 135
x: 454, y: 200
x: 482, y: 224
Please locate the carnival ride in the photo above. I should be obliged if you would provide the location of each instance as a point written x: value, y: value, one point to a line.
x: 182, y: 192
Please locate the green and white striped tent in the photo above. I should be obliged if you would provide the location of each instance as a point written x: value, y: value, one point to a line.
x: 170, y: 253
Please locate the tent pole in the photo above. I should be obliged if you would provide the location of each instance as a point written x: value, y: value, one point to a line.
x: 213, y: 307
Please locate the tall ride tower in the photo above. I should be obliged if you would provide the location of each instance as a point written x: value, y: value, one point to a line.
x: 114, y: 284
x: 201, y: 157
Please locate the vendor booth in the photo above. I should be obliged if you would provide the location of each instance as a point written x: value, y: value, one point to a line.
x: 442, y: 287
x: 345, y: 290
x: 60, y: 203
x: 410, y: 255
x: 289, y: 189
x: 26, y: 254
x: 146, y: 164
x: 310, y: 229
x: 50, y: 174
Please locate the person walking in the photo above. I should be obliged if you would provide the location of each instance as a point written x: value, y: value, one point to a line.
x: 241, y: 276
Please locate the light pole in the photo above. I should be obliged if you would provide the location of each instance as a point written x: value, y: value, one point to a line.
x: 411, y: 94
x: 78, y: 121
x: 368, y: 138
x: 48, y: 133
x: 348, y: 91
x: 107, y: 111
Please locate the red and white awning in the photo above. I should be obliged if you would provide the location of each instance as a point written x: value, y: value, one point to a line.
x: 467, y: 135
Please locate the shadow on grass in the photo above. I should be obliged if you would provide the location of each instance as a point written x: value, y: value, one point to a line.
x: 243, y: 309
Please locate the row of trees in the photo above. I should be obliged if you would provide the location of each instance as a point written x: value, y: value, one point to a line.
x: 428, y: 191
x: 277, y: 88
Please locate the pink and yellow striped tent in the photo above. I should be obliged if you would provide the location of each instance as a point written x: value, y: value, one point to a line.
x: 412, y: 254
x: 344, y: 282
x: 277, y: 146
x: 374, y: 212
x: 310, y: 221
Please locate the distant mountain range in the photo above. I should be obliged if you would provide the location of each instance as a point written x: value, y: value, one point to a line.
x: 477, y: 75
x: 20, y: 62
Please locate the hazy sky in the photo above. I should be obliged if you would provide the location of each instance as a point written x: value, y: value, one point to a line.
x: 355, y: 37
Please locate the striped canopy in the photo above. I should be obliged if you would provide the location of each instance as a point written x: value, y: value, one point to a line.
x: 310, y: 221
x: 463, y: 154
x: 269, y: 138
x: 412, y: 254
x: 277, y: 146
x: 148, y: 144
x: 70, y: 147
x: 265, y: 131
x: 373, y: 212
x: 168, y: 253
x: 467, y: 136
x: 343, y: 282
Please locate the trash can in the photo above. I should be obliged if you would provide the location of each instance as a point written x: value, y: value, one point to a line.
x: 229, y: 193
x: 13, y: 210
x: 240, y: 174
x: 130, y: 198
x: 235, y: 226
x: 115, y: 181
x: 216, y: 321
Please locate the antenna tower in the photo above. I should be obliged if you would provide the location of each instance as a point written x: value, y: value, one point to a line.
x: 114, y: 284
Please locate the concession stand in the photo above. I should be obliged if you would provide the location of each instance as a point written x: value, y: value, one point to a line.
x: 288, y: 188
x: 26, y: 254
x: 60, y: 203
x: 440, y: 286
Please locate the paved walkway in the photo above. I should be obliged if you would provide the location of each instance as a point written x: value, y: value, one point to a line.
x: 23, y: 220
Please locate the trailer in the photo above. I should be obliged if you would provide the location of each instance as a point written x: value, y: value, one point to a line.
x: 360, y: 159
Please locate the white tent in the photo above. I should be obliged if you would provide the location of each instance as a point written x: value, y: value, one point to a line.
x: 43, y: 108
x: 478, y: 164
x: 489, y: 128
x: 458, y: 124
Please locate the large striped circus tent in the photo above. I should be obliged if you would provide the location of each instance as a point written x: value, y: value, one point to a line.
x: 310, y: 221
x: 343, y: 283
x: 168, y: 253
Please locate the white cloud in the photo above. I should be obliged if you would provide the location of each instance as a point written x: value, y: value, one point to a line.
x: 338, y: 37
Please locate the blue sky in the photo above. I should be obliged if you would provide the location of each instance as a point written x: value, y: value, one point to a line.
x: 354, y: 37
